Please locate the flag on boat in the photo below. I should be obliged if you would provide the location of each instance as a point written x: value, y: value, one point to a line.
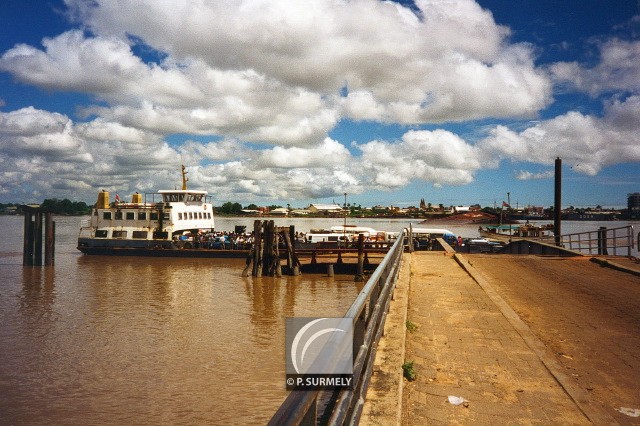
x: 504, y: 203
x: 117, y: 198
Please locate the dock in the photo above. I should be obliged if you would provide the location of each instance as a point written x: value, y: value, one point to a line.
x: 512, y: 339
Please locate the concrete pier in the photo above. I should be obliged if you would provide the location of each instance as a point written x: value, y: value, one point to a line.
x: 521, y: 338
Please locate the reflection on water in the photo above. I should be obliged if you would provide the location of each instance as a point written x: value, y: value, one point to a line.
x: 143, y: 340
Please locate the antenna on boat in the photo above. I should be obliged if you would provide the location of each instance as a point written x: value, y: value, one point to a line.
x: 185, y: 179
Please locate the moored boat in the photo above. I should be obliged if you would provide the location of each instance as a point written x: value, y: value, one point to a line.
x: 507, y: 232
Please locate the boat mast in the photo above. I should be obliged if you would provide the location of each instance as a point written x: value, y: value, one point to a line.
x: 185, y: 179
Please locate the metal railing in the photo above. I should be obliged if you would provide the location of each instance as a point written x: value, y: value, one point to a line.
x: 603, y: 241
x: 368, y: 313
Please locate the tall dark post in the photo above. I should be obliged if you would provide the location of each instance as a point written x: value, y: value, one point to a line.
x: 49, y: 243
x: 37, y: 252
x: 27, y: 249
x: 257, y: 249
x: 557, y: 209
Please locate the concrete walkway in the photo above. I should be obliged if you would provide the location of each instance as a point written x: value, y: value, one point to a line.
x: 464, y: 346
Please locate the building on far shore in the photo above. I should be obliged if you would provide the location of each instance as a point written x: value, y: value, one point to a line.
x: 325, y: 208
x: 280, y: 211
x: 12, y: 210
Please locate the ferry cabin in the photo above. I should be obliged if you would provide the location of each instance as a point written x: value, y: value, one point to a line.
x: 181, y: 211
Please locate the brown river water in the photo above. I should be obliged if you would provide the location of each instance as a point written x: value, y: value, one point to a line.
x: 116, y: 340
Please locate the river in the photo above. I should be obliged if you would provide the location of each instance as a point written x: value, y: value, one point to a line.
x: 113, y: 340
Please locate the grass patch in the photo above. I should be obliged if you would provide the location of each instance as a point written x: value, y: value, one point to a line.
x: 411, y: 326
x: 408, y: 372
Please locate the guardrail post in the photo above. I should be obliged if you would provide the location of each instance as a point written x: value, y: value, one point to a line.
x: 360, y: 270
x: 602, y: 241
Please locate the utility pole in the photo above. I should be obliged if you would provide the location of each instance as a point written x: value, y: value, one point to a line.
x: 557, y: 205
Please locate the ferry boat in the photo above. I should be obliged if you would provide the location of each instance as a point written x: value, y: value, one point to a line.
x: 176, y: 221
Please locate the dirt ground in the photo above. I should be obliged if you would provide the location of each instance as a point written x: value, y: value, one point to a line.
x: 589, y: 316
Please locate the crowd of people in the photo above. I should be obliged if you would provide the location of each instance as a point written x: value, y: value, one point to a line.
x: 223, y: 240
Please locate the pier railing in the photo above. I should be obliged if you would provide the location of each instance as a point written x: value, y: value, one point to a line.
x: 603, y: 241
x: 368, y: 313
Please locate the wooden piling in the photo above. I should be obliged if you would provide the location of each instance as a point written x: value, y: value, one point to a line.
x: 249, y: 262
x: 37, y: 239
x: 27, y: 249
x: 32, y: 239
x: 49, y: 239
x: 257, y: 249
x: 293, y: 263
x: 330, y: 270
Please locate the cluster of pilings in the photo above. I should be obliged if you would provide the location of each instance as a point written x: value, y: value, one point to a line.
x: 32, y: 243
x: 265, y: 258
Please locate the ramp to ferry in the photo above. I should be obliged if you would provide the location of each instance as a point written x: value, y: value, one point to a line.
x: 523, y: 339
x: 587, y: 315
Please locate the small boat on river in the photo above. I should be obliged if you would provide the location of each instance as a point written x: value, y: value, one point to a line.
x: 508, y: 232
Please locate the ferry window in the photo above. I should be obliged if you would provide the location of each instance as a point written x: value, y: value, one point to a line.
x: 157, y: 235
x: 130, y: 216
x: 119, y: 234
x: 179, y: 216
x: 101, y: 233
x: 190, y: 215
x: 172, y: 198
x: 106, y: 215
x: 200, y: 215
x: 165, y: 216
x: 154, y: 216
x: 142, y: 216
x: 140, y: 234
x: 118, y: 215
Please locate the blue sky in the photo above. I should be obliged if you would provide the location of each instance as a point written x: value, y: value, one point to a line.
x: 457, y: 102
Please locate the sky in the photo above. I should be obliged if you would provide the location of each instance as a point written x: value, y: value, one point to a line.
x: 456, y: 102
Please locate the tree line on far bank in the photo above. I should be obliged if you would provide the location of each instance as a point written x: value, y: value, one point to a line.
x: 61, y: 207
